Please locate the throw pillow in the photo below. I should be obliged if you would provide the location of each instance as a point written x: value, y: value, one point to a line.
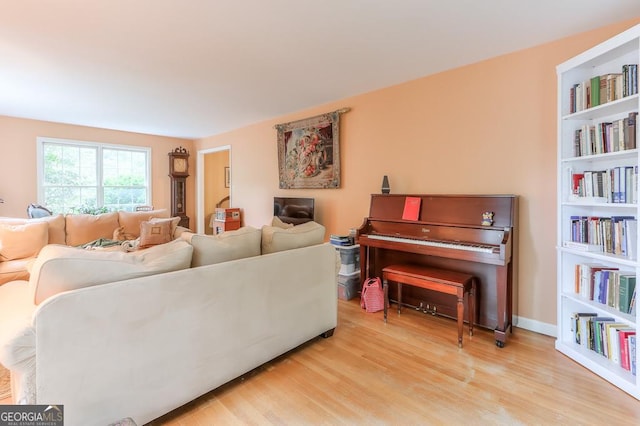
x: 174, y: 221
x: 22, y: 241
x: 154, y: 233
x: 131, y: 221
x: 276, y: 239
x: 277, y: 222
x: 230, y: 245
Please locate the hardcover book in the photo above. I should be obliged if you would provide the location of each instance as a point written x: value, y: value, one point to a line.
x: 411, y: 208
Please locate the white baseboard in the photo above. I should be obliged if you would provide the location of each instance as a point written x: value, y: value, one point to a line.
x: 535, y: 326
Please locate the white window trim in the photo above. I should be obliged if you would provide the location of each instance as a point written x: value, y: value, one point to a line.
x: 41, y: 140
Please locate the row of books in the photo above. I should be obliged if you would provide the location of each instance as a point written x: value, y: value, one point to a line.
x: 605, y: 88
x: 606, y: 285
x: 608, y: 136
x: 605, y: 336
x: 615, y: 185
x: 616, y: 235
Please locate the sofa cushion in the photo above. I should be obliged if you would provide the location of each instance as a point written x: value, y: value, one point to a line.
x: 276, y: 239
x: 131, y: 221
x: 22, y: 241
x: 155, y: 232
x: 57, y: 234
x: 84, y: 228
x: 15, y: 270
x: 62, y: 268
x: 230, y: 245
x: 17, y: 337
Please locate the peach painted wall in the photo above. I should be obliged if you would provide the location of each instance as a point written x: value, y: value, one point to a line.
x: 18, y: 173
x: 487, y: 128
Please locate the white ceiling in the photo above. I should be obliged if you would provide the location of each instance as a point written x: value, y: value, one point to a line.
x: 195, y: 68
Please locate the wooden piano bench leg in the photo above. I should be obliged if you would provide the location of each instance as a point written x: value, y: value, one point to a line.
x: 399, y: 297
x: 460, y: 314
x: 385, y: 289
x: 472, y: 306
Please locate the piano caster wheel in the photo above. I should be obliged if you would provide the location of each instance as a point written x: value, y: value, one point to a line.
x: 499, y: 343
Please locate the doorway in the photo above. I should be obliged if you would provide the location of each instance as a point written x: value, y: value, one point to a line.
x: 213, y: 184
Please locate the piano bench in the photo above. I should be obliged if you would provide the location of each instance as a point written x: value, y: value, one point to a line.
x: 440, y: 280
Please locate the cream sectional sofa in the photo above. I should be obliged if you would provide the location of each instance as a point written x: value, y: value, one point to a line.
x: 22, y: 239
x: 112, y: 335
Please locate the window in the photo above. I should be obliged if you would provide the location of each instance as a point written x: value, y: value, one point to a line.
x: 75, y: 176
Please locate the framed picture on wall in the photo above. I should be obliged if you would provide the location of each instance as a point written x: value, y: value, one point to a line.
x: 309, y: 152
x: 227, y: 177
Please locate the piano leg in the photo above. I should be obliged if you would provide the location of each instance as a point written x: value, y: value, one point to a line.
x: 504, y: 305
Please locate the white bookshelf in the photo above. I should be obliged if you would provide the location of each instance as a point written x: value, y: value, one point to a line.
x: 607, y: 57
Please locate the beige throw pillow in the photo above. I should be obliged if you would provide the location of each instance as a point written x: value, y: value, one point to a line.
x: 230, y: 245
x: 154, y: 233
x: 277, y: 222
x: 22, y: 241
x: 276, y: 239
x: 131, y: 221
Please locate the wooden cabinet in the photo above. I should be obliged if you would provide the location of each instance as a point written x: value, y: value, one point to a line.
x: 597, y: 200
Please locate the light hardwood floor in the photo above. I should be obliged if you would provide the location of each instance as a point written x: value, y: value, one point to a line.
x: 410, y: 371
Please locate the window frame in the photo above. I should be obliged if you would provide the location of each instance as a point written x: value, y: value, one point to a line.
x: 100, y: 146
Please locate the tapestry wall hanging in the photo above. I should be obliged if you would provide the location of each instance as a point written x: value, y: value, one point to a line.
x: 309, y: 152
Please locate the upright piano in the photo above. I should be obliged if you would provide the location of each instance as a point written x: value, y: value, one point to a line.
x: 475, y: 234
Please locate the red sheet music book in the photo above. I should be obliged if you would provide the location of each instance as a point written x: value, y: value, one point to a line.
x: 411, y: 208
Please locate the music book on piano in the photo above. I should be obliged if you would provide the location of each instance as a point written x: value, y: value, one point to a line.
x: 411, y: 208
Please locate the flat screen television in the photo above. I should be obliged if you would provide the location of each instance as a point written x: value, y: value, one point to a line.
x: 294, y: 210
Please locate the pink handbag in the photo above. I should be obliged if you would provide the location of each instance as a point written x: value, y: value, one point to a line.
x: 372, y: 298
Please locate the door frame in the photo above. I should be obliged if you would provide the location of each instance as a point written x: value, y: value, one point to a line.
x: 200, y: 183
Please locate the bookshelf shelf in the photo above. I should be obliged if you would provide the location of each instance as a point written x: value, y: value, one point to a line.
x: 598, y: 206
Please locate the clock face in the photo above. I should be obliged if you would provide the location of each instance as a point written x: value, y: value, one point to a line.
x: 180, y: 165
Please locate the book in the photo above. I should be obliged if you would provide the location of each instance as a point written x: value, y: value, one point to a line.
x: 340, y: 240
x: 411, y: 208
x: 613, y: 341
x: 587, y: 278
x: 594, y: 334
x: 579, y: 322
x: 595, y: 91
x: 575, y: 245
x: 625, y: 361
x: 631, y: 130
x: 625, y: 290
x: 631, y: 235
x: 632, y: 353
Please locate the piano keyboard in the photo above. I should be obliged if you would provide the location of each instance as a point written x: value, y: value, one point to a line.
x: 444, y: 244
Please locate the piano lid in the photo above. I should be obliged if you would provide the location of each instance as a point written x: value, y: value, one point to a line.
x: 460, y: 210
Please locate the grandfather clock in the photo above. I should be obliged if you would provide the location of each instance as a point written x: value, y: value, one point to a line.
x: 178, y: 172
